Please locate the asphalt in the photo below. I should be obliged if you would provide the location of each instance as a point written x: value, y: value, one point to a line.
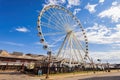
x: 8, y: 75
x: 98, y: 76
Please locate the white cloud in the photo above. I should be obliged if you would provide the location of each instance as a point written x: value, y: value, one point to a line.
x: 110, y: 56
x: 12, y: 43
x: 101, y: 1
x: 73, y: 3
x: 91, y: 8
x: 22, y: 29
x: 100, y: 34
x: 118, y: 26
x: 38, y: 11
x: 115, y: 46
x: 70, y: 2
x: 61, y: 2
x: 113, y: 13
x: 54, y: 2
x: 114, y: 3
x: 37, y: 43
x: 76, y: 11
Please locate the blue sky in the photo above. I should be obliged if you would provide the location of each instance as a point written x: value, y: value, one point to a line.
x: 100, y: 19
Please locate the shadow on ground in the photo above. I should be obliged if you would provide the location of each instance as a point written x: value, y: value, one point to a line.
x: 103, y: 78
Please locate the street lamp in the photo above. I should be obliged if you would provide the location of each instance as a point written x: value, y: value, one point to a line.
x: 99, y: 60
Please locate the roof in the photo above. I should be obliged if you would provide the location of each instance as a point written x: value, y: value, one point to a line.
x: 0, y: 51
x: 19, y: 55
x: 4, y: 53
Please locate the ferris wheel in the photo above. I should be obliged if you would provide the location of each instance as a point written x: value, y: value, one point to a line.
x: 62, y: 34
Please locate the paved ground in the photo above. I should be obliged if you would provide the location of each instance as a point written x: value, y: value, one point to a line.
x: 101, y: 76
x: 16, y: 76
x: 86, y: 76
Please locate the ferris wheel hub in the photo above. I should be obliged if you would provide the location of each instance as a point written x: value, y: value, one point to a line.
x: 68, y: 28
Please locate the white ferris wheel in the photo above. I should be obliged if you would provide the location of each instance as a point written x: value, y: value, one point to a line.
x: 61, y: 33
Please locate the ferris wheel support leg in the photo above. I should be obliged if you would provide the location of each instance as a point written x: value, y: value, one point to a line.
x: 62, y: 45
x: 70, y: 63
x: 77, y: 43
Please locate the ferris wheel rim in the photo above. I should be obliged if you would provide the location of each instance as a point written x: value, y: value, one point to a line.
x: 73, y: 17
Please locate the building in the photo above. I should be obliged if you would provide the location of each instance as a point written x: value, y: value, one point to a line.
x: 16, y: 60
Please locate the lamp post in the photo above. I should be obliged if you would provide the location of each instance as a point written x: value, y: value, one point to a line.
x: 108, y: 66
x: 48, y: 66
x: 93, y: 65
x: 99, y: 60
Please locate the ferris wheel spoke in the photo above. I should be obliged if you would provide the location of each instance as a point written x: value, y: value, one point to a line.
x: 55, y: 15
x: 51, y: 26
x: 75, y: 27
x: 53, y: 34
x: 75, y: 54
x: 50, y: 12
x: 78, y: 54
x: 58, y: 40
x: 58, y: 17
x: 62, y: 18
x: 68, y: 19
x: 79, y: 47
x: 78, y: 42
x: 53, y: 18
x: 45, y: 16
x: 56, y: 22
x: 57, y: 25
x: 53, y: 23
x: 70, y: 22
